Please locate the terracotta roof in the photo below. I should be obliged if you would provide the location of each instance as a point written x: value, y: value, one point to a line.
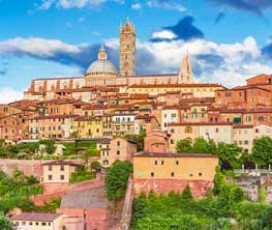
x: 61, y: 162
x: 46, y: 217
x: 200, y: 123
x: 174, y: 155
x: 243, y: 126
x: 55, y: 117
x: 87, y: 119
x: 176, y: 85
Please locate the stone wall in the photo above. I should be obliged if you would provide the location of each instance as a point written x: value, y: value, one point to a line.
x: 199, y: 188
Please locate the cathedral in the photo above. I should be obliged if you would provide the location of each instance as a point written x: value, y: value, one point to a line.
x: 102, y: 73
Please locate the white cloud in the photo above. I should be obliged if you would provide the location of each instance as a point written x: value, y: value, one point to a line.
x: 171, y: 5
x: 164, y: 34
x: 9, y: 95
x: 66, y: 4
x: 136, y: 6
x: 238, y: 61
x: 37, y: 47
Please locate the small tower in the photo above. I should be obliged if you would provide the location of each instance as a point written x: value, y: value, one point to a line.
x: 102, y: 54
x: 185, y: 73
x: 127, y: 49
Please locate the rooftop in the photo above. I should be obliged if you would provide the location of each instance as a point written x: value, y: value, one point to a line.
x: 174, y: 155
x: 33, y: 216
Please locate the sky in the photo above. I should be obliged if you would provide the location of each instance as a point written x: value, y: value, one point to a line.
x: 228, y: 40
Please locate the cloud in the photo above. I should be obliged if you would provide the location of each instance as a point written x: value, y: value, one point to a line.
x: 66, y: 4
x: 167, y: 4
x: 185, y: 30
x: 229, y: 64
x: 163, y: 35
x: 136, y: 6
x: 253, y: 6
x: 80, y: 55
x: 9, y: 95
x: 219, y: 17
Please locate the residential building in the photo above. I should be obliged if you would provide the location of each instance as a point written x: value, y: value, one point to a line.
x: 38, y: 221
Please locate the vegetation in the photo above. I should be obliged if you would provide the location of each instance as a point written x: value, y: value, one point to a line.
x: 50, y: 206
x: 116, y: 179
x: 5, y: 223
x: 81, y: 174
x: 16, y: 190
x: 176, y: 211
x: 139, y: 139
x: 262, y: 151
x: 95, y: 165
x: 230, y: 155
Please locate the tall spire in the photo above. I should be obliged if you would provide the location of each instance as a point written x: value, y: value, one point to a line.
x: 185, y: 72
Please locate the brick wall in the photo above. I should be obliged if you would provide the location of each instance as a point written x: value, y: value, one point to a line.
x: 198, y: 188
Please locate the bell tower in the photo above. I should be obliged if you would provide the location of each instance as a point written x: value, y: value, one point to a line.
x: 127, y: 49
x: 185, y: 73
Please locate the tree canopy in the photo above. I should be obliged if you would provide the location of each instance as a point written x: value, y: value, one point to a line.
x: 116, y: 179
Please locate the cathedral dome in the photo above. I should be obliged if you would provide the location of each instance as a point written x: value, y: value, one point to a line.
x: 102, y: 65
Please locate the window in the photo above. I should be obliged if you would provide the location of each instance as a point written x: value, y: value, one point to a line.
x: 62, y: 177
x: 191, y: 174
x: 246, y: 142
x: 217, y: 130
x: 172, y: 131
x: 200, y: 174
x: 155, y: 162
x: 50, y: 177
x: 43, y: 224
x: 23, y: 223
x: 30, y: 223
x: 261, y: 118
x: 162, y: 162
x: 177, y: 162
x: 256, y: 130
x: 37, y: 223
x: 152, y: 174
x: 118, y: 143
x: 118, y: 152
x: 62, y: 168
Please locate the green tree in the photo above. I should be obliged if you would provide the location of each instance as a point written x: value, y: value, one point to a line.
x: 262, y: 194
x: 116, y: 179
x: 200, y: 145
x: 184, y: 146
x: 138, y: 138
x: 5, y: 223
x: 262, y: 151
x: 186, y: 194
x: 229, y: 154
x: 95, y: 165
x: 50, y: 147
x: 2, y: 141
x: 90, y: 152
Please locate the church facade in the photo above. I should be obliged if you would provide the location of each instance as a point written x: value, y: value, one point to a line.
x: 102, y: 74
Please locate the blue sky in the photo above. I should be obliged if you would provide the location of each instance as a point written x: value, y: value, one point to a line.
x: 229, y: 40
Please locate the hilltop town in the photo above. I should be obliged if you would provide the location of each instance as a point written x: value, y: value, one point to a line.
x: 87, y: 152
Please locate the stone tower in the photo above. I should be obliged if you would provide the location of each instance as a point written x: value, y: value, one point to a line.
x: 127, y: 50
x: 185, y: 73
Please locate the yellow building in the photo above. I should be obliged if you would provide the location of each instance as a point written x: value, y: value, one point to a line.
x: 184, y: 166
x: 165, y: 172
x: 88, y: 127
